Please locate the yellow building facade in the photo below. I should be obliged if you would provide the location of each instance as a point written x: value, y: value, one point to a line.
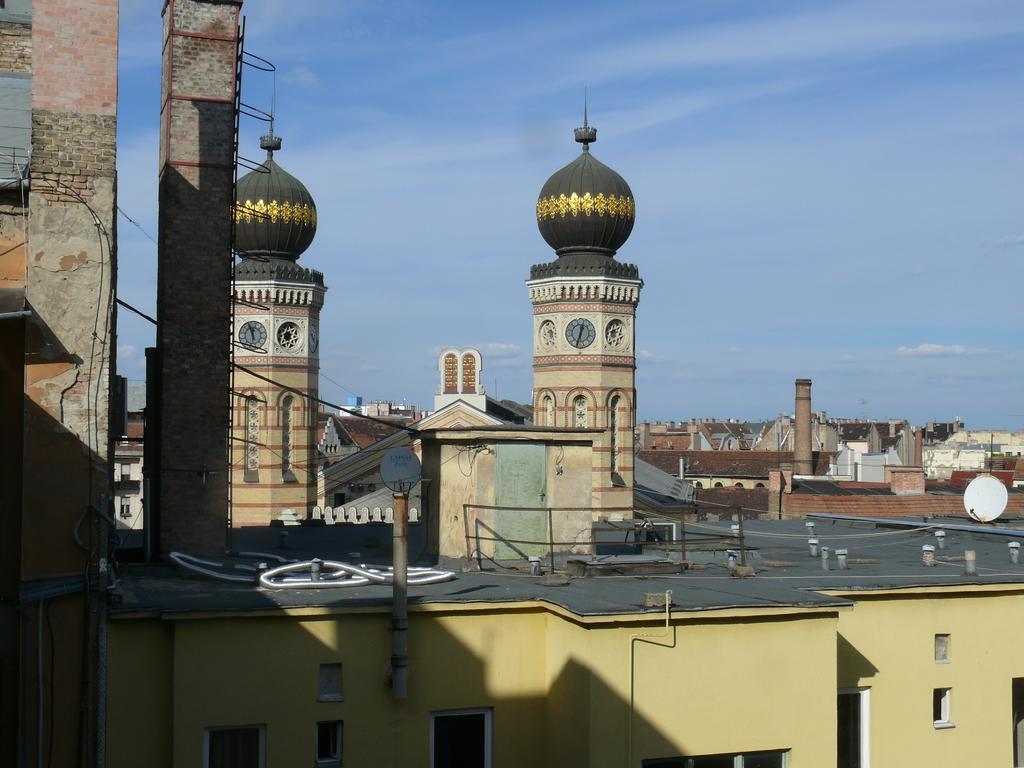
x: 560, y: 688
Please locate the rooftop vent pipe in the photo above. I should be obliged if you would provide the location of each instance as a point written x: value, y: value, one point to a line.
x: 970, y: 563
x: 1014, y: 552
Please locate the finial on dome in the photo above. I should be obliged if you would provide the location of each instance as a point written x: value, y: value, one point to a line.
x: 270, y: 142
x: 585, y: 135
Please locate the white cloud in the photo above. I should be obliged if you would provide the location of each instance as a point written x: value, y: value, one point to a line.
x: 942, y: 350
x: 1010, y: 241
x: 651, y: 357
x: 500, y: 350
x: 302, y: 76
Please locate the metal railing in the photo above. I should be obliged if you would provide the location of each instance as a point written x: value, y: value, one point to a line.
x: 479, y: 531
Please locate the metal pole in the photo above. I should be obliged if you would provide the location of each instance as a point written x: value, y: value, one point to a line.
x: 743, y: 541
x: 551, y: 541
x: 400, y: 597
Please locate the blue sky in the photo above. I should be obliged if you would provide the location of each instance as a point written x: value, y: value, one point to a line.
x: 831, y: 190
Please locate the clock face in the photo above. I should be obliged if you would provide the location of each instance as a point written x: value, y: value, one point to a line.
x: 580, y: 333
x: 289, y: 336
x: 253, y: 334
x: 314, y: 338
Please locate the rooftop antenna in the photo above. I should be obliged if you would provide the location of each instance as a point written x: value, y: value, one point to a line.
x: 585, y: 135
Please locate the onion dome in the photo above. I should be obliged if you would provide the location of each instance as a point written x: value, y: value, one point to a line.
x: 586, y: 207
x: 275, y: 216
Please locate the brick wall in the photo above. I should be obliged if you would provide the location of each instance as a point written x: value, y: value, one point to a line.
x: 194, y: 271
x: 15, y: 47
x: 75, y: 44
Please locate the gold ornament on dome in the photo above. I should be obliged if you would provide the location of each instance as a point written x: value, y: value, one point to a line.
x: 574, y: 205
x: 275, y: 212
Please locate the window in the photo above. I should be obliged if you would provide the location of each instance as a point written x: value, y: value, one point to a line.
x: 125, y: 472
x: 328, y: 742
x: 252, y: 439
x: 579, y: 409
x: 339, y: 500
x: 853, y: 719
x: 330, y: 683
x: 940, y: 707
x: 942, y: 648
x: 613, y: 425
x: 745, y: 760
x: 286, y: 433
x: 15, y: 120
x: 698, y: 484
x: 460, y: 739
x: 1018, y: 722
x: 126, y: 508
x: 235, y: 747
x: 547, y: 411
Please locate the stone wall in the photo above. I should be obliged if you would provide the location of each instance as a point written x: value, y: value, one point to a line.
x: 15, y: 47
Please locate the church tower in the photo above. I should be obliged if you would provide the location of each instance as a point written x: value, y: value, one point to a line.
x: 584, y: 308
x: 276, y: 337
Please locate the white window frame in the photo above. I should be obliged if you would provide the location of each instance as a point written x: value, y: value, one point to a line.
x: 262, y: 727
x: 865, y: 722
x: 945, y: 709
x: 488, y: 714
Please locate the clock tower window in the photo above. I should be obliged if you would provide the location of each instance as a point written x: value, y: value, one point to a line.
x: 613, y: 425
x: 286, y: 434
x: 579, y: 411
x: 252, y: 439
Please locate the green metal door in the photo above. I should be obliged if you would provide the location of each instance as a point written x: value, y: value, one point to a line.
x: 521, y: 482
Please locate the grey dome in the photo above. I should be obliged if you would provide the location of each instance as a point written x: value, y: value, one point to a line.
x: 275, y: 216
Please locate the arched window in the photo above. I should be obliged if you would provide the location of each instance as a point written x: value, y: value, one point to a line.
x: 738, y: 485
x: 469, y: 374
x: 579, y: 411
x: 451, y: 373
x: 698, y: 484
x: 718, y: 485
x: 613, y: 425
x: 759, y: 485
x: 286, y: 433
x: 545, y: 415
x: 252, y: 436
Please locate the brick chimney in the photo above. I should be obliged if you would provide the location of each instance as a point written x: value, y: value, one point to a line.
x: 905, y: 481
x: 197, y: 134
x: 918, y: 447
x: 802, y: 458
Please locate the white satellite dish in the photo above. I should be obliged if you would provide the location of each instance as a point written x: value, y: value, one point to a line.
x: 985, y: 498
x: 400, y: 469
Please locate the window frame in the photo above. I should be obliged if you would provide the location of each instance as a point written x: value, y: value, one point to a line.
x: 935, y: 648
x: 260, y: 727
x: 488, y: 714
x: 864, y: 693
x: 945, y: 709
x: 331, y: 697
x: 738, y: 758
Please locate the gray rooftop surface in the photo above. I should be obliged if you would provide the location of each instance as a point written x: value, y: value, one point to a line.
x: 881, y: 557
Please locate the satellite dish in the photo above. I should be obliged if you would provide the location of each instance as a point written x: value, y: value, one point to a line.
x: 400, y: 469
x: 985, y: 498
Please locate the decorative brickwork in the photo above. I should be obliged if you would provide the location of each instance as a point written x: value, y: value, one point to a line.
x: 15, y: 48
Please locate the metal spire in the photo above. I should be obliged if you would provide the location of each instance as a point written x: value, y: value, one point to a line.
x: 585, y: 135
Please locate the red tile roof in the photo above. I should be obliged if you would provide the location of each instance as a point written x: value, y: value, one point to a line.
x: 730, y: 463
x: 925, y: 505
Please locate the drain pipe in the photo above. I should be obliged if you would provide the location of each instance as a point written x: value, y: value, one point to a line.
x: 400, y: 597
x: 646, y: 637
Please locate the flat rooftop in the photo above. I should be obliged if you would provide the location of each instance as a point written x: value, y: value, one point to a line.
x: 882, y: 555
